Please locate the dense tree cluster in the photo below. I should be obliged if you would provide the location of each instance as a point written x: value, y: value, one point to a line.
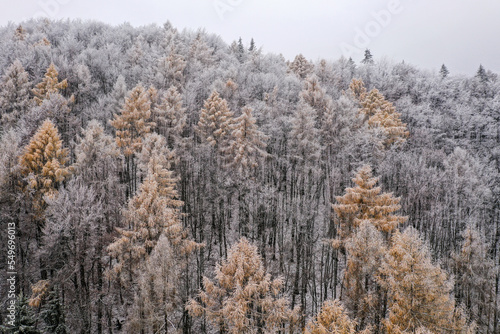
x: 167, y: 182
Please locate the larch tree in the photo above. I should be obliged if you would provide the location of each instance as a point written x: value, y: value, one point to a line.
x: 153, y: 211
x: 357, y: 89
x: 14, y: 94
x: 390, y: 122
x: 365, y: 201
x: 215, y: 120
x: 365, y: 251
x: 170, y: 117
x: 381, y: 113
x: 171, y: 71
x: 314, y: 95
x: 332, y: 319
x: 43, y: 166
x: 158, y: 303
x: 243, y: 298
x: 131, y: 125
x: 49, y: 85
x: 418, y: 290
x: 304, y: 136
x: 246, y: 147
x: 301, y: 66
x: 475, y: 278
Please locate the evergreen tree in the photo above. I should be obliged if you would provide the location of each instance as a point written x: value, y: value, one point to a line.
x: 252, y: 46
x: 53, y: 314
x: 14, y: 94
x: 444, y: 71
x: 481, y: 74
x: 243, y: 298
x: 25, y: 321
x: 368, y: 59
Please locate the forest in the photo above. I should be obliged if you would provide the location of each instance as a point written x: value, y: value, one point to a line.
x: 162, y: 181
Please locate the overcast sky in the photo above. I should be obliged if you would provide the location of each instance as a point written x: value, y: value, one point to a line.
x: 459, y: 33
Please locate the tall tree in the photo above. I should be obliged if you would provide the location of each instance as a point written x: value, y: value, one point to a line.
x: 170, y: 117
x: 418, y: 290
x: 131, y: 125
x: 243, y: 298
x: 14, y: 94
x: 366, y: 202
x: 301, y: 66
x: 215, y: 120
x: 49, y: 85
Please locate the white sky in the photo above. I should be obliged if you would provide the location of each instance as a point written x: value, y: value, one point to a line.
x: 460, y: 33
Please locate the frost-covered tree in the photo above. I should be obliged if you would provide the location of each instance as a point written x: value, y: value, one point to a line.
x: 215, y: 120
x: 314, y: 95
x: 363, y: 297
x: 332, y: 319
x: 304, y: 136
x: 14, y: 94
x: 243, y: 298
x: 368, y: 59
x: 132, y: 124
x: 49, y: 85
x: 158, y: 304
x: 43, y: 166
x: 170, y: 117
x: 301, y: 66
x: 474, y: 278
x: 365, y: 201
x: 246, y: 146
x: 418, y: 290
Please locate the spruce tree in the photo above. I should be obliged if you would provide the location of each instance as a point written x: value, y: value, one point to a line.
x: 368, y: 59
x: 444, y: 71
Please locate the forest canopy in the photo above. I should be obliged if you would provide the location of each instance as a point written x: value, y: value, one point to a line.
x: 164, y: 181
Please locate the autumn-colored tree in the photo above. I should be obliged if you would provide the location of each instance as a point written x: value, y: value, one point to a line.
x: 390, y: 122
x: 14, y: 94
x: 418, y: 290
x: 152, y: 212
x: 158, y: 303
x: 365, y: 250
x: 382, y: 113
x: 366, y: 202
x: 246, y: 146
x: 43, y: 165
x: 49, y: 85
x: 170, y: 117
x: 301, y: 66
x: 133, y: 121
x: 357, y: 89
x: 243, y: 298
x: 215, y: 120
x: 131, y: 125
x: 332, y: 319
